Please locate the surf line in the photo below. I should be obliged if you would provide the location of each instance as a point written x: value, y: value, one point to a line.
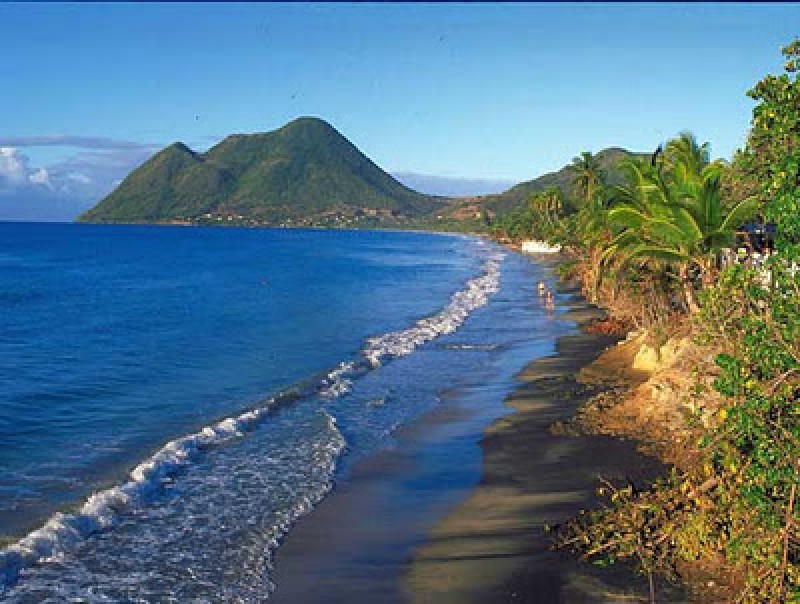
x: 103, y: 509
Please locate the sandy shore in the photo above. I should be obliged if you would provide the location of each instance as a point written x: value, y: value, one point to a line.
x: 355, y: 546
x: 455, y: 512
x: 493, y: 546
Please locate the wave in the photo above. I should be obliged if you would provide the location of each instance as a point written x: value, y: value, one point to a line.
x: 339, y: 380
x: 481, y: 347
x: 462, y: 303
x: 325, y: 466
x: 103, y: 509
x: 378, y: 349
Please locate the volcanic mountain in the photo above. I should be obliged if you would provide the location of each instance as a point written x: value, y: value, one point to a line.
x: 305, y: 172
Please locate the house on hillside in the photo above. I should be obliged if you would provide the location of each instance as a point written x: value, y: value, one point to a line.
x: 753, y: 243
x: 757, y: 237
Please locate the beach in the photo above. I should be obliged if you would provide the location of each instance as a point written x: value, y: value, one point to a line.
x: 414, y: 524
x: 493, y: 547
x: 436, y: 440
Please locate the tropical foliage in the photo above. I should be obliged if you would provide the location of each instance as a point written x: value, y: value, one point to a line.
x: 587, y: 177
x: 649, y: 246
x: 736, y: 507
x: 606, y: 160
x: 669, y: 212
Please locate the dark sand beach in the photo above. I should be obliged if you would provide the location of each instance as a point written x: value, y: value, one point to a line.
x: 493, y: 546
x: 355, y: 546
x: 455, y: 513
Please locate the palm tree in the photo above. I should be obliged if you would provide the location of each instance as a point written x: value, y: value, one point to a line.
x: 685, y: 158
x: 588, y: 187
x: 536, y: 202
x: 587, y: 176
x: 553, y: 202
x: 672, y: 215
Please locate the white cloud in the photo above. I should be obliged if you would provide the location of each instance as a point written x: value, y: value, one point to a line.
x: 74, y: 183
x: 40, y: 177
x: 14, y: 170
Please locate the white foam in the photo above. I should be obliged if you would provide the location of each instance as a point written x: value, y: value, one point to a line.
x: 339, y: 380
x: 326, y: 457
x: 101, y: 510
x: 462, y: 303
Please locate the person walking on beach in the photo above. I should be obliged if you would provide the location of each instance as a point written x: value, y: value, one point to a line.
x: 549, y: 303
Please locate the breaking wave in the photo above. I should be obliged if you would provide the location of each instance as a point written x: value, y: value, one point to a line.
x: 394, y: 344
x: 103, y: 509
x: 450, y: 318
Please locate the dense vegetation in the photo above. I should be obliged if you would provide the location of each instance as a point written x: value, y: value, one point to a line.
x: 303, y: 173
x: 516, y: 197
x: 543, y: 207
x: 308, y: 174
x: 650, y: 248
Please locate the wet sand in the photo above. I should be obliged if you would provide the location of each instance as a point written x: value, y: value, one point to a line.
x: 454, y: 513
x: 356, y: 544
x: 493, y: 546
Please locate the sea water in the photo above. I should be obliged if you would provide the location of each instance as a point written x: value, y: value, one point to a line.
x: 174, y: 399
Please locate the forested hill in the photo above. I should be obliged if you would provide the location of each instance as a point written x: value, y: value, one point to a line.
x: 608, y: 160
x: 303, y: 173
x: 476, y: 211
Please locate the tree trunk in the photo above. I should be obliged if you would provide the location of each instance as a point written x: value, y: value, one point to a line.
x: 593, y: 266
x: 688, y: 289
x: 709, y: 271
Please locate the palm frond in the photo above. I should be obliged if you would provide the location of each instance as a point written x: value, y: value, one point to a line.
x: 666, y: 231
x: 741, y: 213
x: 687, y: 224
x: 627, y: 217
x: 659, y: 253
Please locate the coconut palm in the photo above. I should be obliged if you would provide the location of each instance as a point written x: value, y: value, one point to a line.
x: 587, y: 176
x: 672, y: 214
x: 685, y: 158
x: 549, y: 203
x: 591, y: 227
x: 553, y: 201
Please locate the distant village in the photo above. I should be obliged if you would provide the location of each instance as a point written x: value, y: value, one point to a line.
x: 337, y: 217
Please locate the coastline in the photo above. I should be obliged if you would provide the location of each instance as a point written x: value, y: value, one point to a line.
x: 176, y: 453
x: 392, y: 228
x: 357, y: 542
x: 493, y: 546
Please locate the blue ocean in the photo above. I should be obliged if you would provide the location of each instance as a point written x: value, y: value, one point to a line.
x: 174, y: 399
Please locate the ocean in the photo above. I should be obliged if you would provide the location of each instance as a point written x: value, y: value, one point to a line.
x: 174, y: 399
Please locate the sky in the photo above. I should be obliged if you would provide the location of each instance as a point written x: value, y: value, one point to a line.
x: 454, y: 99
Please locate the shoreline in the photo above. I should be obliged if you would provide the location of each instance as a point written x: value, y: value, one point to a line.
x: 357, y: 542
x: 354, y: 545
x: 493, y: 546
x: 397, y: 229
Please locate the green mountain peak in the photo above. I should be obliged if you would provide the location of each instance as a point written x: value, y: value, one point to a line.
x: 303, y: 171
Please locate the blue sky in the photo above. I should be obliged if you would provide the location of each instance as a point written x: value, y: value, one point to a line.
x: 474, y: 96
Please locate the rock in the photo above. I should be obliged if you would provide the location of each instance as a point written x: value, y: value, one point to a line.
x: 651, y: 359
x: 646, y: 359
